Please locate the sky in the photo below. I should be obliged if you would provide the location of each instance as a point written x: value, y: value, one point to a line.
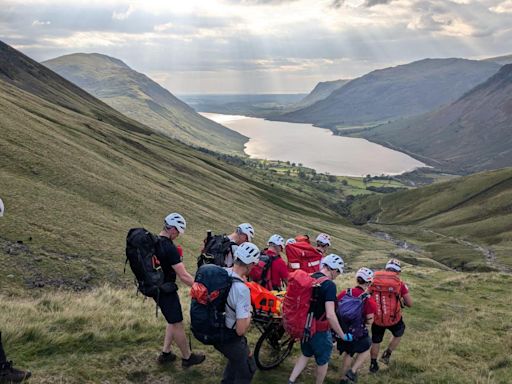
x: 258, y: 46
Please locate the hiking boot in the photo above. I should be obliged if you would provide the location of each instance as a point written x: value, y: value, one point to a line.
x: 386, y: 356
x: 9, y: 374
x: 374, y: 366
x: 194, y: 359
x: 351, y: 376
x: 166, y: 358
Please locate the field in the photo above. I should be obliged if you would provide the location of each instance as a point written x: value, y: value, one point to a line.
x: 459, y: 331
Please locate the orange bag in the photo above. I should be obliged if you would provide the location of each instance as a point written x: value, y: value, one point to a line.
x: 263, y: 300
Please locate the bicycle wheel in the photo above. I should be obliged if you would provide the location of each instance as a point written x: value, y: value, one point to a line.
x: 273, y: 346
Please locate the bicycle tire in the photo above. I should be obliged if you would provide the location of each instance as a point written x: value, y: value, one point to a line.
x: 276, y: 341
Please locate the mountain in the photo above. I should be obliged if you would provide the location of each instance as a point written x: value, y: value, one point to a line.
x: 77, y: 174
x: 472, y: 134
x: 137, y: 96
x: 321, y: 91
x: 502, y: 60
x: 472, y: 214
x: 390, y: 93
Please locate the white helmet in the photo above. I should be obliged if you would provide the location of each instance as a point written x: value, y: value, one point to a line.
x: 247, y: 230
x: 291, y: 240
x: 2, y: 208
x: 276, y: 240
x: 334, y: 262
x: 175, y: 220
x: 394, y: 264
x: 247, y: 253
x: 323, y: 239
x: 366, y: 274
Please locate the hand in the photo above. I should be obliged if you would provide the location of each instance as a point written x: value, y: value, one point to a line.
x: 347, y: 337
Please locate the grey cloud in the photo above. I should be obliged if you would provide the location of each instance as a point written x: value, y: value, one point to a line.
x: 371, y: 3
x: 337, y: 4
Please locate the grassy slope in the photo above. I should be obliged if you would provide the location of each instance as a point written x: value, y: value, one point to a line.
x: 475, y: 208
x: 455, y: 334
x: 137, y: 96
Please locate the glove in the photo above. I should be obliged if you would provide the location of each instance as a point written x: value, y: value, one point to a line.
x: 347, y: 337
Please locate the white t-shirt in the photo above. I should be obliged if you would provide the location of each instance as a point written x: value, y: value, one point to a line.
x: 239, y: 301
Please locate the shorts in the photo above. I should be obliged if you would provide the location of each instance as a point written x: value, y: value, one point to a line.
x: 170, y: 306
x: 320, y: 346
x: 397, y: 330
x: 357, y: 346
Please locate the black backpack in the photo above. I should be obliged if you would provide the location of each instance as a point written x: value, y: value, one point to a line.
x: 208, y: 308
x: 215, y: 250
x: 141, y: 254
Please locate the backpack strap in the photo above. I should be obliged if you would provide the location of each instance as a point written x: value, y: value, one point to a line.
x: 234, y: 279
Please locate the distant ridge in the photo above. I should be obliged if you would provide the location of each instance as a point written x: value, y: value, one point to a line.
x: 395, y: 92
x: 503, y: 60
x: 472, y: 134
x: 137, y: 96
x: 321, y: 91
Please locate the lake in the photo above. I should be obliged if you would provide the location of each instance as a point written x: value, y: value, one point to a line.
x: 316, y: 148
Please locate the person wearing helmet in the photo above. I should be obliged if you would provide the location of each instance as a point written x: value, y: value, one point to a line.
x: 243, y: 233
x: 362, y: 343
x: 271, y: 271
x: 291, y: 240
x: 241, y: 365
x: 169, y: 303
x: 397, y: 328
x: 320, y: 345
x: 323, y: 241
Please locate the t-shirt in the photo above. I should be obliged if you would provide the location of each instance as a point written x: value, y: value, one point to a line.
x: 239, y: 301
x: 168, y: 256
x: 369, y: 306
x: 404, y: 289
x: 326, y: 292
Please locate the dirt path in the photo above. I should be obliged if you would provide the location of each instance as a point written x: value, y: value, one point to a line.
x: 488, y: 253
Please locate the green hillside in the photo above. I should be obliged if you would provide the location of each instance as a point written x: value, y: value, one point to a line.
x: 470, y: 135
x: 391, y: 93
x: 465, y: 223
x: 137, y: 96
x: 76, y: 175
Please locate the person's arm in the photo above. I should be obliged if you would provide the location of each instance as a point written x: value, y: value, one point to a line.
x: 242, y: 326
x: 183, y: 274
x: 369, y: 320
x: 333, y: 319
x: 407, y: 300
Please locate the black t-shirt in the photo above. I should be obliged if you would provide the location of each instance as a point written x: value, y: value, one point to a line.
x: 168, y: 256
x: 326, y: 292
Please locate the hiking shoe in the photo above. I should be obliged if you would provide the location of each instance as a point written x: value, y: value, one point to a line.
x: 9, y: 374
x: 194, y: 359
x: 351, y: 376
x: 166, y: 358
x: 374, y: 366
x: 386, y: 356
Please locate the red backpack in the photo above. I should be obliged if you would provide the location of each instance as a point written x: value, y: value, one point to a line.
x: 385, y: 289
x: 303, y: 256
x: 262, y: 272
x: 298, y: 306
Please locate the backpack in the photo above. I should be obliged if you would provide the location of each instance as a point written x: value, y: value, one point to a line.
x: 261, y: 272
x: 215, y: 250
x: 350, y: 314
x: 299, y: 304
x: 385, y: 289
x: 141, y: 254
x: 302, y: 255
x: 208, y: 308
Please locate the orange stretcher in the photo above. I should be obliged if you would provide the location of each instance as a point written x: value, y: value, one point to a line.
x: 265, y: 302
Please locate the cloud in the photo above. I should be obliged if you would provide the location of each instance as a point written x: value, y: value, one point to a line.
x: 123, y: 15
x: 337, y: 4
x: 37, y: 23
x: 372, y: 3
x: 503, y: 7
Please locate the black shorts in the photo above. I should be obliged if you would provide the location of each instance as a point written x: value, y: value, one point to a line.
x: 397, y: 330
x: 170, y: 306
x: 357, y: 346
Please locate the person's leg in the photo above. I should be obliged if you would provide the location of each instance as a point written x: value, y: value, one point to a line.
x: 321, y: 372
x: 301, y: 363
x: 241, y: 366
x: 347, y: 362
x: 393, y: 344
x: 397, y: 331
x: 360, y: 359
x: 168, y: 339
x: 374, y: 351
x: 177, y: 333
x: 3, y: 358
